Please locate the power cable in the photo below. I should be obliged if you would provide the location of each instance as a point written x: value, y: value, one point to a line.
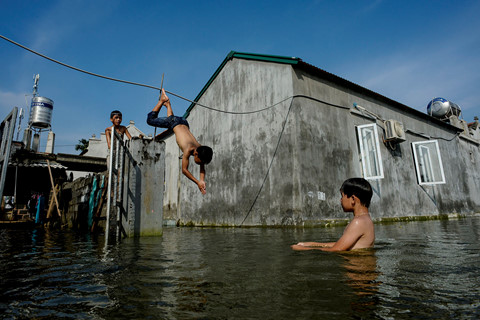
x: 91, y: 73
x: 201, y: 105
x: 278, y: 144
x: 156, y: 88
x: 271, y: 162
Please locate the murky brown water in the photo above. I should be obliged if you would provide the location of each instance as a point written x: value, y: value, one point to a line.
x: 426, y: 270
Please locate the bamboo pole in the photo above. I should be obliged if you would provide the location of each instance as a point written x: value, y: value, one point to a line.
x: 53, y: 188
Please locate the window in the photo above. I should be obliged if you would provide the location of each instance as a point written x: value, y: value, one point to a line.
x: 370, y: 151
x: 428, y: 162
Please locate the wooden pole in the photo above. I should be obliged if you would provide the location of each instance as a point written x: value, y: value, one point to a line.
x: 53, y: 188
x: 161, y: 87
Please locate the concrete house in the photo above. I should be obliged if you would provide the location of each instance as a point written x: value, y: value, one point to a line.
x: 286, y: 134
x: 97, y: 147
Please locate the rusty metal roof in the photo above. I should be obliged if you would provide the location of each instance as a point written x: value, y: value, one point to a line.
x: 36, y: 164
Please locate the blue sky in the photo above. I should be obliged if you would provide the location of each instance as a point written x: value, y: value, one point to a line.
x: 409, y: 51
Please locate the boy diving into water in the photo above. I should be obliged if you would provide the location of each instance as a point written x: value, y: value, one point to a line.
x: 202, y: 155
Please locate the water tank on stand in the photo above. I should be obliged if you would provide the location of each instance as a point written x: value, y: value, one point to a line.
x: 41, y: 112
x: 443, y: 109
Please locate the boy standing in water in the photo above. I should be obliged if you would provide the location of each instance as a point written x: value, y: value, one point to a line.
x: 360, y: 233
x: 202, y: 155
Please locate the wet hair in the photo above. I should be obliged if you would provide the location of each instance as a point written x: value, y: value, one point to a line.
x: 205, y: 154
x: 358, y: 187
x: 115, y: 112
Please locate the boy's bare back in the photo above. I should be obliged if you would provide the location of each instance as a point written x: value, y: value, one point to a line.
x: 185, y: 139
x: 361, y: 228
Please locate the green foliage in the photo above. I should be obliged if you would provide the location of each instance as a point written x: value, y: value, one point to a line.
x: 82, y: 145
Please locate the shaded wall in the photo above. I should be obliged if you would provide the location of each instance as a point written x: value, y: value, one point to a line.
x: 141, y: 209
x: 317, y: 151
x: 77, y: 196
x: 144, y: 188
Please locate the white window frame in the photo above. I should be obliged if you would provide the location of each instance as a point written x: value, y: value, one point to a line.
x: 425, y: 163
x: 369, y: 153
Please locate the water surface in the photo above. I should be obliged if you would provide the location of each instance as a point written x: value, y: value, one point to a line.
x: 426, y: 270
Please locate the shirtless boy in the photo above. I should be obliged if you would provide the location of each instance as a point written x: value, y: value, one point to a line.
x: 202, y: 155
x: 360, y: 233
x: 116, y: 118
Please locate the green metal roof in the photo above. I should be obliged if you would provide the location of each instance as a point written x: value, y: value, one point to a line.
x: 242, y: 55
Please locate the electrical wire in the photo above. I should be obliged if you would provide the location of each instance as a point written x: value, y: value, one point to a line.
x: 423, y: 135
x: 159, y: 89
x: 293, y: 97
x: 94, y: 74
x: 278, y: 144
x: 271, y: 162
x: 377, y: 117
x: 198, y: 104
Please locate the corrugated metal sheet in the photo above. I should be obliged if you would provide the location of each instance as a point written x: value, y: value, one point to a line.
x: 37, y: 164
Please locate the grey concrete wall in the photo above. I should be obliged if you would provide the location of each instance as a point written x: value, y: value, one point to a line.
x: 398, y: 193
x: 318, y: 150
x: 144, y: 188
x: 172, y: 181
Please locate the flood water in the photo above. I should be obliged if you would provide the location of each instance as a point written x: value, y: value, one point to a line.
x: 428, y: 270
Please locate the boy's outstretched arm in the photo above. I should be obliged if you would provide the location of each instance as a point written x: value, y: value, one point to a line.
x: 347, y: 241
x: 201, y: 184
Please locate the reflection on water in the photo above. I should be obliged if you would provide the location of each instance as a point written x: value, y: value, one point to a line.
x: 361, y: 271
x: 418, y: 269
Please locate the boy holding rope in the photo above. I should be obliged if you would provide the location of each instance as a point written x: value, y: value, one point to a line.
x: 202, y: 155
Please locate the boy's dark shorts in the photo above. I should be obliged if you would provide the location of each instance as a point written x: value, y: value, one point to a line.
x: 165, y: 122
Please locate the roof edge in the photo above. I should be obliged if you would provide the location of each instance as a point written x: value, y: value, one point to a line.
x: 370, y: 93
x: 242, y: 55
x: 300, y: 64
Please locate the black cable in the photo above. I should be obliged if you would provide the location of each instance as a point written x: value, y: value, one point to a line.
x: 201, y: 105
x: 278, y: 143
x: 159, y: 89
x: 94, y: 74
x: 247, y: 112
x: 271, y: 162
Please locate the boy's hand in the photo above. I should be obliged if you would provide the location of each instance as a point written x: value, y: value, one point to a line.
x: 202, y: 186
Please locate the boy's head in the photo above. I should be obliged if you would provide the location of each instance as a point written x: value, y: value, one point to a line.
x: 116, y: 117
x: 358, y: 187
x: 203, y: 155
